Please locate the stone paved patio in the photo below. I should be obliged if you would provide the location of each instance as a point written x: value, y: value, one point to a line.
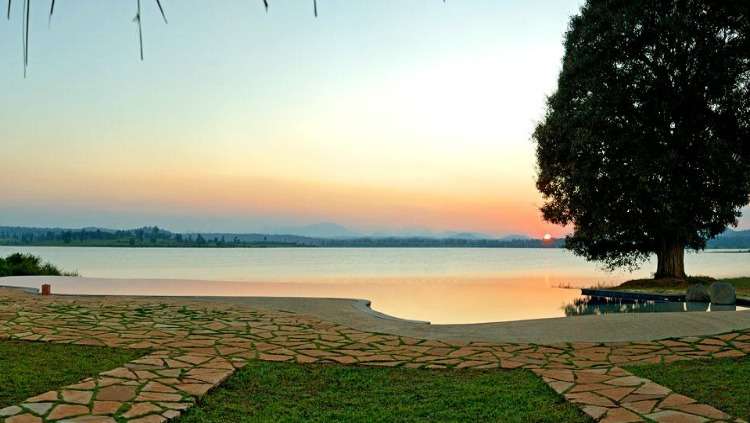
x: 191, y: 347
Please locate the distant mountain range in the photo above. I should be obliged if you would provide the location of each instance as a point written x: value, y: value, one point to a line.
x: 334, y: 230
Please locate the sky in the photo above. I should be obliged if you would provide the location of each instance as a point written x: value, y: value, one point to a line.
x: 378, y: 115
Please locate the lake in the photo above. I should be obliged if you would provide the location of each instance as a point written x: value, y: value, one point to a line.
x: 440, y: 285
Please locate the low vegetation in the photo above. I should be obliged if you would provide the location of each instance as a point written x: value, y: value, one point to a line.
x: 722, y: 383
x: 32, y: 368
x: 671, y: 285
x: 284, y: 392
x: 28, y: 265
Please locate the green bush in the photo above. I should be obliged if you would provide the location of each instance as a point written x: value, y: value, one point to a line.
x: 28, y: 265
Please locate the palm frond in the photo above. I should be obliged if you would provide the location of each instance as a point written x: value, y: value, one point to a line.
x: 161, y: 9
x: 27, y: 13
x: 137, y: 19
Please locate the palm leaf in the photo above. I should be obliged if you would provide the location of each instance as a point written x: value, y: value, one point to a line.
x: 161, y: 9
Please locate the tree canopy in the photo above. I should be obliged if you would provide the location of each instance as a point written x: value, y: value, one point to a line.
x: 645, y: 145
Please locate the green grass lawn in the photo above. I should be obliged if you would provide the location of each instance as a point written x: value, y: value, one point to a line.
x: 265, y: 391
x: 742, y: 285
x: 722, y: 383
x: 32, y: 368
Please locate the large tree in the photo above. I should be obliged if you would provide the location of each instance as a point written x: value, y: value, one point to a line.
x: 645, y: 145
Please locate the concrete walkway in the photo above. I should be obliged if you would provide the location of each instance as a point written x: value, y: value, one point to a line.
x: 604, y: 328
x: 358, y: 315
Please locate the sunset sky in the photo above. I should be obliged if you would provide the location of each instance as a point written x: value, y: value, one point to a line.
x: 379, y: 115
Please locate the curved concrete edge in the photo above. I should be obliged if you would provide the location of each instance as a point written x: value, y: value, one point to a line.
x: 366, y: 307
x: 21, y: 288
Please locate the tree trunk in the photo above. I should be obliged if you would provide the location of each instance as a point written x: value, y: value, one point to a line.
x: 671, y: 261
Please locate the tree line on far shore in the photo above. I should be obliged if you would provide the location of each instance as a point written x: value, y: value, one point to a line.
x: 154, y: 236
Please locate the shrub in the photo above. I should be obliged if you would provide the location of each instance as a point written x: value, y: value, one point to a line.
x: 19, y: 264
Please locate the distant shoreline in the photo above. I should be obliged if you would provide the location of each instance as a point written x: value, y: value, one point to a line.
x: 272, y: 246
x: 343, y: 245
x: 155, y: 237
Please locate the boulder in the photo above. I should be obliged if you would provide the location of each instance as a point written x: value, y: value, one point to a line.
x: 722, y: 293
x: 697, y: 293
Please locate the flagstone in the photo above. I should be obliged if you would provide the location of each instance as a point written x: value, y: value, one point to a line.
x: 83, y: 386
x: 563, y: 375
x: 175, y: 405
x: 195, y: 389
x: 621, y: 415
x: 77, y: 397
x: 158, y: 396
x: 641, y: 407
x: 47, y: 396
x: 106, y: 407
x: 62, y: 411
x: 650, y: 388
x: 23, y: 418
x: 730, y: 354
x: 38, y: 408
x: 140, y: 409
x: 120, y: 393
x: 675, y: 400
x: 589, y: 377
x: 626, y: 381
x: 157, y: 387
x: 149, y: 419
x: 10, y: 411
x: 702, y: 410
x: 121, y: 373
x: 90, y: 419
x: 675, y: 417
x: 171, y: 414
x: 615, y: 394
x: 589, y: 398
x: 559, y: 386
x: 594, y: 411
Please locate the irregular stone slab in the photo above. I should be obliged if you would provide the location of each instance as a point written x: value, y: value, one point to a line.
x: 23, y: 418
x: 38, y: 408
x: 675, y: 417
x: 77, y: 397
x: 106, y: 407
x: 66, y: 410
x: 10, y: 411
x: 119, y: 393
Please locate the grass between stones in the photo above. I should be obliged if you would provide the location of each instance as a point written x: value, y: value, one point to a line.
x: 266, y: 391
x: 722, y: 383
x: 32, y: 368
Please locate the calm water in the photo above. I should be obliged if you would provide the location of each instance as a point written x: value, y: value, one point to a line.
x: 451, y: 285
